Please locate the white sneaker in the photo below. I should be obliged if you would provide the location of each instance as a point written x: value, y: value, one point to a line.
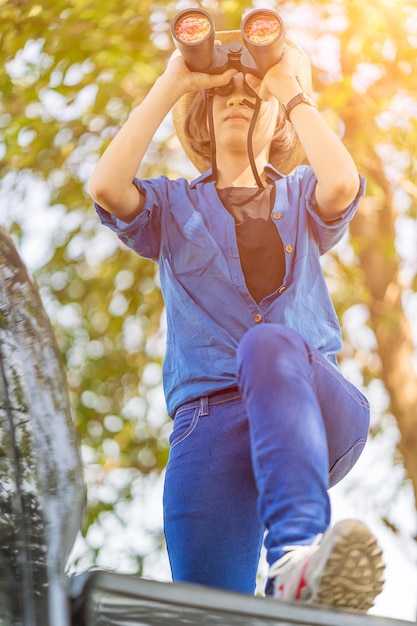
x: 343, y: 568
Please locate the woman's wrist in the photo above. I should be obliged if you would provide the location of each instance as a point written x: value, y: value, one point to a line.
x: 285, y: 87
x: 172, y: 86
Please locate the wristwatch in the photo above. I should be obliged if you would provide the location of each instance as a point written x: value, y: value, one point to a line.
x: 298, y: 99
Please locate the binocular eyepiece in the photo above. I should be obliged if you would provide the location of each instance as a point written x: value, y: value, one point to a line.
x: 263, y: 36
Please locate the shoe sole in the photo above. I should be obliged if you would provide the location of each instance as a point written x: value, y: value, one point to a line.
x: 351, y: 576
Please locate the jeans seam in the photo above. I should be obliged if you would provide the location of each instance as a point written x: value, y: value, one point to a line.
x: 187, y: 407
x: 190, y: 429
x: 333, y: 470
x: 339, y: 376
x: 223, y: 401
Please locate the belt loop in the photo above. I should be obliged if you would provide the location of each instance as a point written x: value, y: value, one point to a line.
x: 204, y: 406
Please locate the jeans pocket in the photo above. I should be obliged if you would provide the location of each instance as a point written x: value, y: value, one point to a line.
x: 346, y: 462
x: 185, y: 421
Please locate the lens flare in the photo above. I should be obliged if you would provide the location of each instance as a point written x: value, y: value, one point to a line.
x: 192, y: 28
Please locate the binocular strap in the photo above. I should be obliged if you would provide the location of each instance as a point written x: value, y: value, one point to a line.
x: 255, y: 108
x: 210, y: 93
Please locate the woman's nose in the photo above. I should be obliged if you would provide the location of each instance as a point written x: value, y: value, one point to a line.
x: 236, y: 99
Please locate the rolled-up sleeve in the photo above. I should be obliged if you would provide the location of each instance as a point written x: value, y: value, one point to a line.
x: 142, y: 234
x: 329, y: 233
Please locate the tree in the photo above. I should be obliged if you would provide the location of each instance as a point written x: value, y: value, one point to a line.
x: 376, y: 102
x: 71, y: 73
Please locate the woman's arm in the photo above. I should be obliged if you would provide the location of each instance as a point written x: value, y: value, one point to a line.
x: 111, y: 184
x: 335, y: 170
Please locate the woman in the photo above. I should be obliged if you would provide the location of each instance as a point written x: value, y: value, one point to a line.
x: 264, y: 422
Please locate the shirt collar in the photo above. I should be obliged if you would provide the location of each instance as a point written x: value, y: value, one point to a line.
x: 271, y: 173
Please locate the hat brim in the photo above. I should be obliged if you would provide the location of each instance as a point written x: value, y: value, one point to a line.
x: 182, y: 106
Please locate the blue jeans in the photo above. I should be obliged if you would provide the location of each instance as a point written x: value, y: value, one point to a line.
x: 259, y: 458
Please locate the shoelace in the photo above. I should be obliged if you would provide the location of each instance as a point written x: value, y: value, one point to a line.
x: 295, y: 554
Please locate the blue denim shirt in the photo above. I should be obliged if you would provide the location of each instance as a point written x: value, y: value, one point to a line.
x: 187, y: 231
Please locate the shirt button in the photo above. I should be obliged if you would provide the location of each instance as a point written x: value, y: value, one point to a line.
x: 257, y: 318
x: 277, y: 216
x: 288, y: 249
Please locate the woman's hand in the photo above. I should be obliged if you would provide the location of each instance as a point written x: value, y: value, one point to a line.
x: 280, y: 79
x: 187, y: 81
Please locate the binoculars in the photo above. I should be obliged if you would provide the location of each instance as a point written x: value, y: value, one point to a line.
x: 263, y: 36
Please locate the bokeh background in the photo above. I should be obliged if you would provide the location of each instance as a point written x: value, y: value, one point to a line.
x: 70, y: 73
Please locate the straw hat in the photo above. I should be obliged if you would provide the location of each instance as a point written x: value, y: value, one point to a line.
x: 284, y: 164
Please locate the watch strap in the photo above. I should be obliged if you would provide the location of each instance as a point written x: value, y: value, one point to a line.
x: 298, y: 99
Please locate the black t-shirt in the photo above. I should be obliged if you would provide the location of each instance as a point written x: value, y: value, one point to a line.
x: 260, y: 246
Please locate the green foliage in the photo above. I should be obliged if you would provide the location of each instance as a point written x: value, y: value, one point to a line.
x: 70, y: 74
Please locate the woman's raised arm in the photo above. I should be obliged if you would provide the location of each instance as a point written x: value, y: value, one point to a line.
x: 111, y: 184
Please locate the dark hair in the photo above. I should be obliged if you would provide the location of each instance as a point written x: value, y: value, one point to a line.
x: 285, y: 153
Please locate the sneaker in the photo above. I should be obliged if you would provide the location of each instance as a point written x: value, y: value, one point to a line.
x: 343, y: 569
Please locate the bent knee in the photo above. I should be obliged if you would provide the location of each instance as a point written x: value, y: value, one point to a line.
x: 270, y: 338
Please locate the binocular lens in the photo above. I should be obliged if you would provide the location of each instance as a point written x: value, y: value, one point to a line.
x: 192, y: 28
x: 193, y: 32
x: 262, y: 28
x: 262, y: 33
